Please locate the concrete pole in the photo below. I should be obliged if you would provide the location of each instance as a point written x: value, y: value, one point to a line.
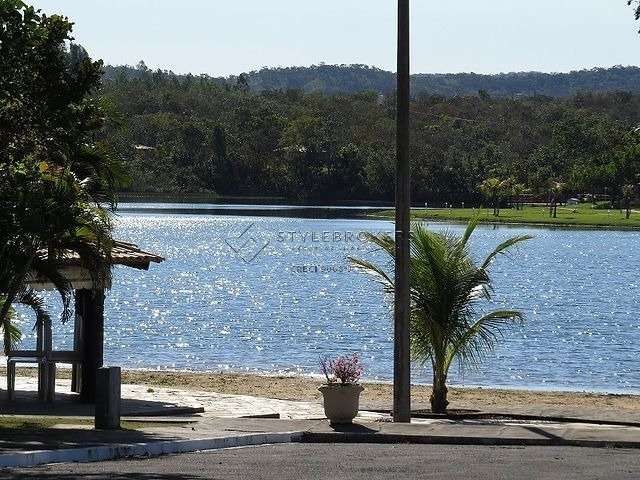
x: 401, y: 361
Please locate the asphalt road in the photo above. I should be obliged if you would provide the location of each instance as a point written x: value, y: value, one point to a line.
x: 360, y: 462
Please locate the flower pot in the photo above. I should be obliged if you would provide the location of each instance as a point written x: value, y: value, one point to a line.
x: 341, y: 402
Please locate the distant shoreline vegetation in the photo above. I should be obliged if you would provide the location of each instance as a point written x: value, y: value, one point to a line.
x: 183, y: 134
x: 207, y: 198
x: 567, y: 216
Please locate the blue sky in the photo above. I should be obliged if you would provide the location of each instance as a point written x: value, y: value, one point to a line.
x: 228, y: 37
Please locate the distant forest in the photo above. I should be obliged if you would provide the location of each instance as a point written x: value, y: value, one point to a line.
x: 331, y: 79
x: 288, y: 133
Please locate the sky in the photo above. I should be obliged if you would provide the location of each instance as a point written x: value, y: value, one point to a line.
x: 229, y: 37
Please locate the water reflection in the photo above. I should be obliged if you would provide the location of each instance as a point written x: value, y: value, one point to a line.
x: 208, y: 308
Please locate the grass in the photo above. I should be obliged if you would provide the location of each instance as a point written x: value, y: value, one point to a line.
x: 20, y: 422
x: 577, y: 215
x: 45, y: 422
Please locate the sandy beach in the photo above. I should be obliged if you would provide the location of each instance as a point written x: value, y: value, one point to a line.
x: 598, y: 406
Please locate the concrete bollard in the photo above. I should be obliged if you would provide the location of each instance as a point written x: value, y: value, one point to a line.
x: 108, y: 398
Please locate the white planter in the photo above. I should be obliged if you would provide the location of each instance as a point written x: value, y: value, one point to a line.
x: 341, y: 402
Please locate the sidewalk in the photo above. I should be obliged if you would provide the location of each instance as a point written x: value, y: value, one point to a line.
x: 82, y: 443
x: 221, y: 426
x: 141, y: 400
x: 422, y: 431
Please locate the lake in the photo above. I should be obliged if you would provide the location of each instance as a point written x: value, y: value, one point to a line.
x: 241, y: 292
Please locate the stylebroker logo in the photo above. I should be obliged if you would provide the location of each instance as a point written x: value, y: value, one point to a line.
x: 244, y: 243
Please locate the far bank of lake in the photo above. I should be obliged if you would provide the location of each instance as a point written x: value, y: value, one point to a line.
x: 583, y: 215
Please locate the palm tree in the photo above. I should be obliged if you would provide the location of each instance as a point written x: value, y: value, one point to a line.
x: 555, y: 193
x: 50, y: 212
x: 447, y: 286
x: 517, y: 190
x: 494, y: 189
x: 628, y: 191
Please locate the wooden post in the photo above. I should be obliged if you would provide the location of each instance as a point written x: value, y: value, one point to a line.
x: 76, y: 370
x: 47, y: 366
x: 40, y: 348
x: 401, y: 359
x: 90, y: 306
x: 108, y: 398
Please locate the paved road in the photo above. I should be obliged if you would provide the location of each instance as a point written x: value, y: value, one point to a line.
x: 360, y: 462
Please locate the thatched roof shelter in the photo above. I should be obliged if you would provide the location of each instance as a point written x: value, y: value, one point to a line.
x: 122, y: 253
x: 87, y: 354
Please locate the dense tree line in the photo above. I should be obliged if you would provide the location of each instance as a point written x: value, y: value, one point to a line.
x: 331, y: 79
x: 357, y: 78
x: 198, y: 134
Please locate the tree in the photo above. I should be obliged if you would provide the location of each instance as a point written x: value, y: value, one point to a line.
x: 292, y: 144
x: 446, y: 289
x: 556, y: 190
x: 628, y: 192
x: 494, y: 189
x: 54, y: 178
x: 636, y: 6
x: 517, y: 190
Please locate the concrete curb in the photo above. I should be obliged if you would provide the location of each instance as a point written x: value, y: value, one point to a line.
x: 393, y: 438
x: 152, y: 449
x: 112, y: 452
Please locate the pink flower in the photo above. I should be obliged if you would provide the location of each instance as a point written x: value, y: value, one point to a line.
x: 346, y: 369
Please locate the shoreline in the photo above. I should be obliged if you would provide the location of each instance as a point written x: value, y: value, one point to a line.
x: 463, y: 216
x: 173, y: 372
x: 514, y: 223
x: 368, y: 381
x: 599, y: 406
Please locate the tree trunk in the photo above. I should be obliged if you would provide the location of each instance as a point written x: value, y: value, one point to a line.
x: 628, y: 208
x: 439, y: 393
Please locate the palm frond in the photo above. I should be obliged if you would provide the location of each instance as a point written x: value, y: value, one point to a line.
x: 383, y: 240
x: 29, y: 298
x: 503, y: 248
x: 482, y: 336
x: 471, y: 227
x: 49, y: 271
x: 11, y: 333
x: 371, y: 269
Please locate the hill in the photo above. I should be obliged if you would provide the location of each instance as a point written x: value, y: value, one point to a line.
x: 181, y: 134
x: 331, y: 79
x: 358, y: 78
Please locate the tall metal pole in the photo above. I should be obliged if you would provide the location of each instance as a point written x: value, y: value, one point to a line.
x: 401, y: 361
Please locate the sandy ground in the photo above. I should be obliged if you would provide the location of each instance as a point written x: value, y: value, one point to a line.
x: 379, y: 396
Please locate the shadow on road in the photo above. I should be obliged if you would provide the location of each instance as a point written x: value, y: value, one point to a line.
x: 69, y: 404
x: 352, y: 428
x: 40, y: 475
x: 29, y: 438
